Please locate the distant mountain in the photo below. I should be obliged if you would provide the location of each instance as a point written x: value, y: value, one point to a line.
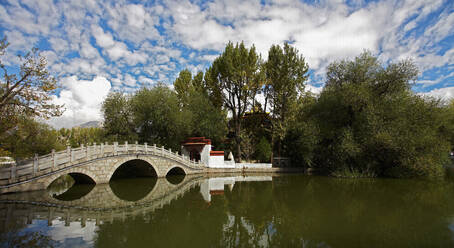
x: 91, y: 124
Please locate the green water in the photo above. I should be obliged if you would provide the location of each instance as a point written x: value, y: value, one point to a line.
x: 234, y: 211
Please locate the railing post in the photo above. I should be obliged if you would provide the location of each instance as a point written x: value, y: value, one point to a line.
x: 136, y: 147
x: 146, y: 147
x: 35, y: 164
x: 54, y: 159
x: 162, y: 150
x: 126, y: 147
x: 102, y: 150
x: 13, y: 172
x: 94, y: 149
x: 115, y: 148
x: 86, y: 151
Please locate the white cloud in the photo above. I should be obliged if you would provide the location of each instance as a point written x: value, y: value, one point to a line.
x: 129, y: 80
x: 313, y: 89
x: 104, y: 40
x: 441, y: 93
x: 82, y: 100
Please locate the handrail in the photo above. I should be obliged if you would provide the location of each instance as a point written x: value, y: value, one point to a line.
x: 40, y: 165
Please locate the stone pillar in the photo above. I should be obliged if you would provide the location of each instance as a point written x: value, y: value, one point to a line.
x: 94, y: 149
x: 67, y: 218
x: 162, y: 150
x: 83, y: 220
x: 126, y: 147
x: 115, y: 148
x: 86, y: 151
x: 50, y: 217
x: 72, y: 156
x: 102, y: 150
x: 146, y: 147
x: 68, y: 151
x: 35, y: 164
x: 136, y: 147
x: 54, y: 159
x: 13, y: 172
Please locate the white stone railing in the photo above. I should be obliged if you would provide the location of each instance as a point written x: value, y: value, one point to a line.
x: 41, y: 165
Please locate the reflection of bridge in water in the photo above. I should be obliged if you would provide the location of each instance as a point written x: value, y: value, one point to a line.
x: 101, y: 204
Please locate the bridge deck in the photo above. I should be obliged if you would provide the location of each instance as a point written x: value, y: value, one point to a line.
x: 56, y: 161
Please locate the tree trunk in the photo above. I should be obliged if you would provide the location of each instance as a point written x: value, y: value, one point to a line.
x: 238, y: 141
x: 272, y: 148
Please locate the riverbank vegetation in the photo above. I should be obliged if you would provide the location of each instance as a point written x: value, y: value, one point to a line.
x: 366, y: 122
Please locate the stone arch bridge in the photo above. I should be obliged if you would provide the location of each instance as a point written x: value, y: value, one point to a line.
x: 98, y: 162
x: 100, y: 204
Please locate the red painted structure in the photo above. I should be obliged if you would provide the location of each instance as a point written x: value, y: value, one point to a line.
x: 195, y: 146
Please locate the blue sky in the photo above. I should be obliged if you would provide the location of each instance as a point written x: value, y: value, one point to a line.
x: 94, y: 47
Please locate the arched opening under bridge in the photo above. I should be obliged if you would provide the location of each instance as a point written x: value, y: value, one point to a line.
x: 175, y: 175
x: 133, y: 180
x: 71, y: 186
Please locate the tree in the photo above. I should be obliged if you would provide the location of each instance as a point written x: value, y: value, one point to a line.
x: 27, y: 93
x: 286, y: 72
x: 204, y: 118
x: 157, y: 116
x: 30, y: 137
x: 118, y: 117
x: 183, y: 86
x: 371, y: 124
x: 232, y: 82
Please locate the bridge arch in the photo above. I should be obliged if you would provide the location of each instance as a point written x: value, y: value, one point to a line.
x: 79, y: 175
x: 175, y: 175
x: 176, y: 170
x: 133, y: 167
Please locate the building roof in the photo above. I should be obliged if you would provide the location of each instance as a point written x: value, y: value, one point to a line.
x: 196, y: 141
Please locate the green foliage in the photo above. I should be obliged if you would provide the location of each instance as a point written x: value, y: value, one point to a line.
x: 27, y: 93
x: 157, y: 117
x: 286, y: 72
x: 232, y: 82
x: 204, y: 119
x: 368, y: 122
x: 77, y: 136
x: 31, y: 137
x: 117, y: 112
x: 263, y: 150
x: 183, y: 86
x: 302, y: 137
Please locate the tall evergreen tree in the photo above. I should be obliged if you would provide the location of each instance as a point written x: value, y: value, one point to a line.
x: 232, y: 82
x: 286, y: 72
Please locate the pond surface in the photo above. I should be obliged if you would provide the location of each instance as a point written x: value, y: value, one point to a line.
x: 233, y: 211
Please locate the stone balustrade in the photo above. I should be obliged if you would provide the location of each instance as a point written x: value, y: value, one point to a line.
x: 42, y: 165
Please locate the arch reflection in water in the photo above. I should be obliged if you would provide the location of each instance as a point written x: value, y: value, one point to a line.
x: 175, y: 176
x: 132, y: 189
x: 71, y: 187
x: 133, y: 180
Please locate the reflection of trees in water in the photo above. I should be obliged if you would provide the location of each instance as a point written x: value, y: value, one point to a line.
x: 188, y: 221
x: 132, y: 189
x: 26, y: 240
x: 317, y: 211
x: 60, y: 185
x: 296, y: 211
